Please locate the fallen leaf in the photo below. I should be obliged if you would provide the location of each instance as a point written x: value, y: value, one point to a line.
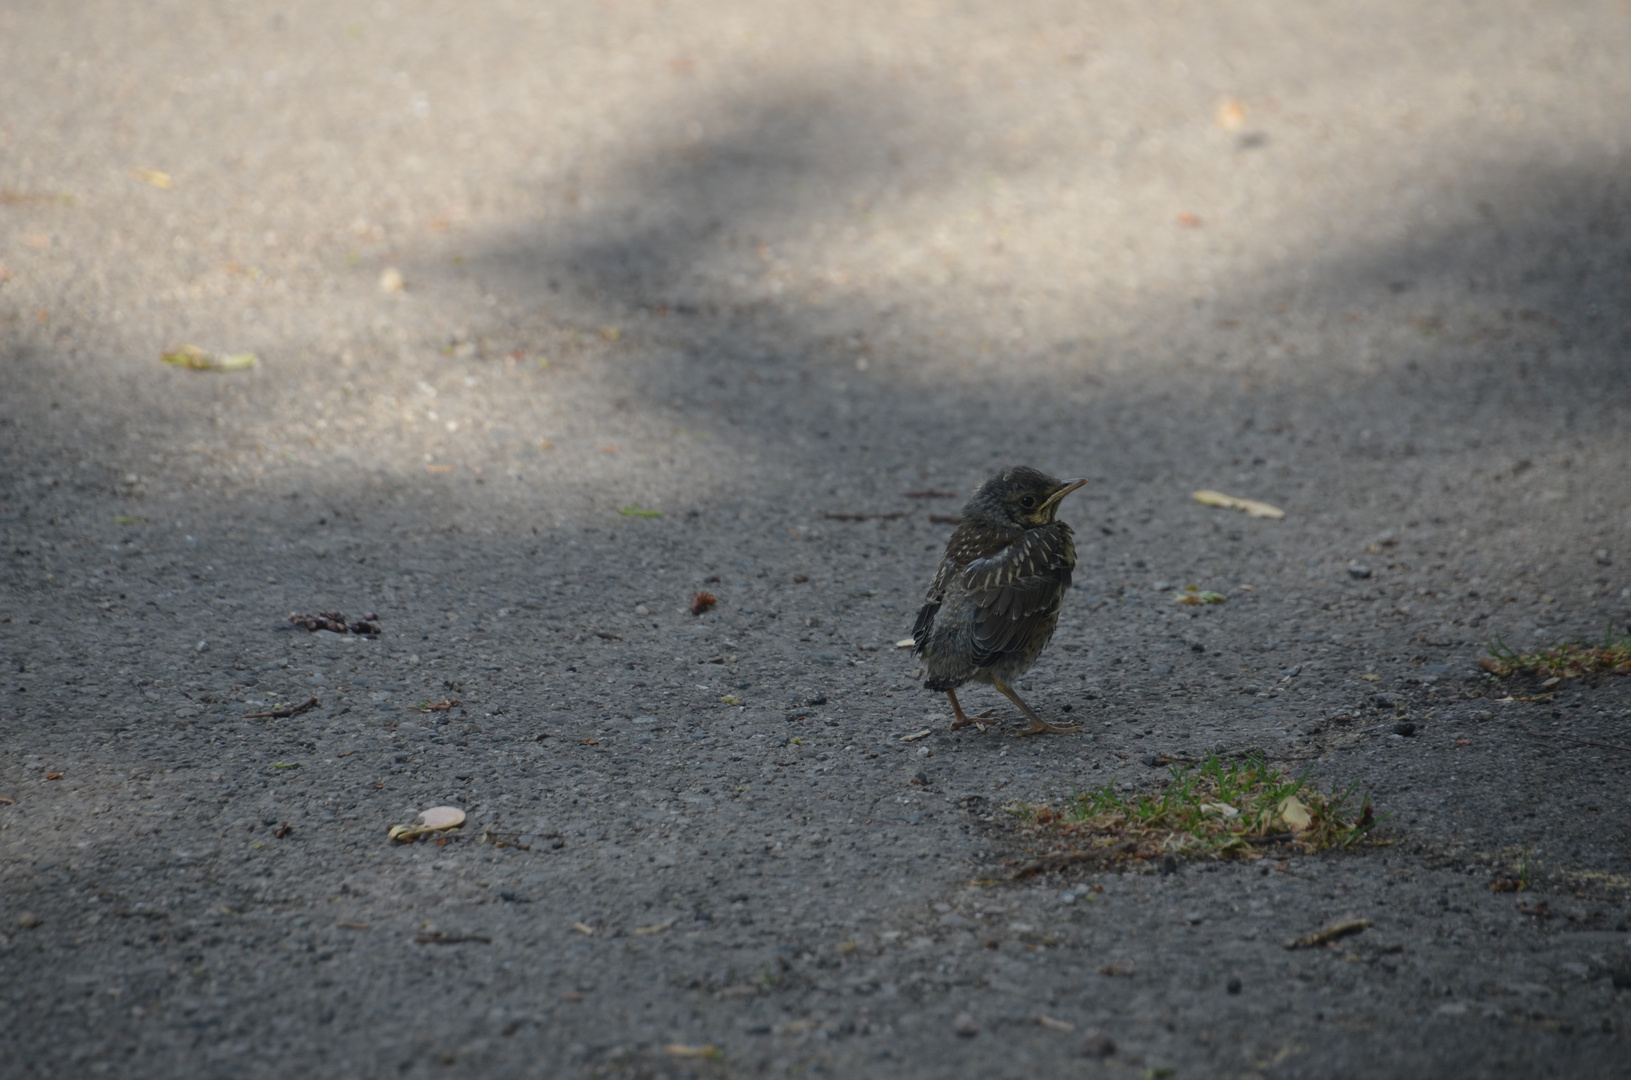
x: 1231, y: 115
x: 390, y: 280
x: 731, y: 699
x: 634, y: 510
x: 702, y: 601
x: 1195, y: 595
x: 1371, y: 677
x: 1252, y: 507
x: 916, y: 735
x: 681, y: 1051
x: 437, y: 706
x: 160, y: 180
x: 1294, y: 813
x: 1329, y: 933
x: 53, y: 776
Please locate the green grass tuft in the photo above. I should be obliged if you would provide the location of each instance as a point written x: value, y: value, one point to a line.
x: 1218, y: 809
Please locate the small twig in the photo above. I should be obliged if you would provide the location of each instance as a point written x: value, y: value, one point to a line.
x: 1068, y: 858
x: 864, y: 517
x: 451, y: 939
x: 1577, y: 742
x: 1329, y: 933
x: 608, y: 635
x: 285, y: 712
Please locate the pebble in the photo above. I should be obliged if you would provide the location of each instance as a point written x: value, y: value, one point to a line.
x: 28, y: 920
x: 641, y: 610
x: 1404, y: 727
x: 965, y: 1026
x: 1232, y: 986
x: 1360, y: 572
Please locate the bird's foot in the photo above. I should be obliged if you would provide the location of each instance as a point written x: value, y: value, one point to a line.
x: 1042, y: 727
x: 965, y: 720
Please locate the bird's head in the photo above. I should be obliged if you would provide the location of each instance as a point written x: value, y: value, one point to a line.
x: 1019, y: 497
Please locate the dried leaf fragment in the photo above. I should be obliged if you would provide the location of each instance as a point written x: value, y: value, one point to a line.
x: 1326, y: 934
x: 1231, y: 115
x: 1252, y: 507
x: 160, y: 180
x: 702, y: 601
x: 680, y: 1050
x: 635, y: 510
x: 1195, y: 595
x: 441, y: 817
x: 1294, y: 813
x: 195, y: 359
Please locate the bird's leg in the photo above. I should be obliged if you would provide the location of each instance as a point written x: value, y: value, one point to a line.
x: 1038, y: 725
x: 963, y: 719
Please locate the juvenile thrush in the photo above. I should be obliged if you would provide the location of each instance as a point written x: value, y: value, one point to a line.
x: 995, y: 599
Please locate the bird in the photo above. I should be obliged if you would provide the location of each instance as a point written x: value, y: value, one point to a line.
x: 995, y: 598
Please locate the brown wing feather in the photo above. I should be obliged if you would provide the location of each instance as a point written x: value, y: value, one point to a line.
x: 1017, y: 589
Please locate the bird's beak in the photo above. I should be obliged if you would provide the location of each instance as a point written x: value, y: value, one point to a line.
x: 1070, y: 486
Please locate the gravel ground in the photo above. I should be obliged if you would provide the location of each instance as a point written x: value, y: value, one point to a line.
x: 766, y: 269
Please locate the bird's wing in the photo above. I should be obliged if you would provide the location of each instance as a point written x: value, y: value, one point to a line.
x: 967, y: 545
x: 1018, y: 588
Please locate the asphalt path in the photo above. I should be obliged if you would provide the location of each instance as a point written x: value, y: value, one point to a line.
x: 562, y: 314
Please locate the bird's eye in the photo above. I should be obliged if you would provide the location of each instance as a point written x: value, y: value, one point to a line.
x: 1028, y: 501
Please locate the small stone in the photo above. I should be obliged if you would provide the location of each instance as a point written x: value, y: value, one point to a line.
x: 816, y: 699
x: 965, y: 1026
x: 28, y: 920
x: 1404, y: 727
x: 1360, y: 572
x: 1098, y: 1045
x: 1232, y: 986
x: 1169, y: 865
x: 641, y: 610
x: 202, y: 646
x: 1194, y: 918
x: 390, y: 280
